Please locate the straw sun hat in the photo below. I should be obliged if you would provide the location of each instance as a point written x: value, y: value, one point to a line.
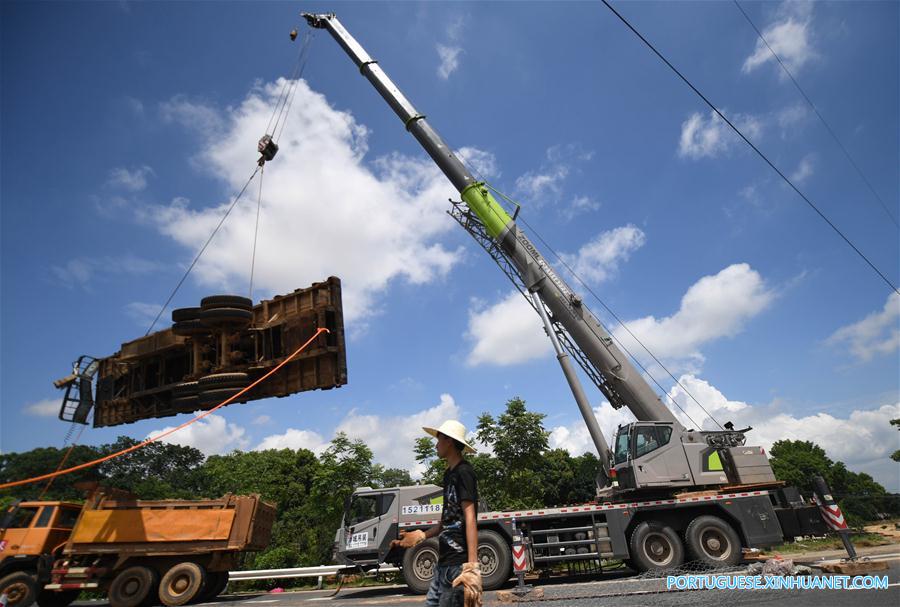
x: 454, y: 430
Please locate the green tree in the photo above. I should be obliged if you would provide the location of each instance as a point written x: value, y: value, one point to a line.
x: 155, y: 471
x: 896, y: 454
x: 390, y: 477
x: 40, y: 461
x: 426, y: 454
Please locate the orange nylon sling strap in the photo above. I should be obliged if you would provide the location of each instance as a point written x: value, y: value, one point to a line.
x: 168, y: 432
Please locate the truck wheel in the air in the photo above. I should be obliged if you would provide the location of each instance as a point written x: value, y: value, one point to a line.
x: 51, y: 598
x: 655, y: 546
x: 180, y: 314
x: 419, y: 565
x: 213, y: 302
x: 181, y: 584
x: 19, y: 588
x: 133, y: 587
x: 495, y: 558
x: 713, y: 542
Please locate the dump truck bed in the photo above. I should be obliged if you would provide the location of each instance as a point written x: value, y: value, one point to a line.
x: 232, y: 523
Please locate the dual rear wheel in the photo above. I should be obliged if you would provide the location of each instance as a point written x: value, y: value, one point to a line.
x: 708, y: 540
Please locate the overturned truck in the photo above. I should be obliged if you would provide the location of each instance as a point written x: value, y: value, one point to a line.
x: 211, y: 353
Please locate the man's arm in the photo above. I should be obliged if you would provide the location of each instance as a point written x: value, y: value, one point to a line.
x: 471, y: 530
x: 408, y: 539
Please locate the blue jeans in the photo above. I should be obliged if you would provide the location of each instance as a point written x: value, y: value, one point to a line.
x: 440, y: 593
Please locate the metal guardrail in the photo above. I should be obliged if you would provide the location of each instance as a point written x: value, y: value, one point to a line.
x: 323, y: 570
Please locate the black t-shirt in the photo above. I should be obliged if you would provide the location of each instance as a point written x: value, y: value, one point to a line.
x: 459, y: 485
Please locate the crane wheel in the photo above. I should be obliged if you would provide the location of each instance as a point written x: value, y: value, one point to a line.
x: 181, y: 584
x: 656, y: 546
x: 226, y: 301
x: 713, y: 542
x: 133, y: 587
x: 420, y: 564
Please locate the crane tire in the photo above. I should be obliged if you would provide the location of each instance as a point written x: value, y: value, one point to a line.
x: 713, y: 542
x: 655, y: 547
x: 495, y: 558
x: 133, y: 587
x: 420, y: 564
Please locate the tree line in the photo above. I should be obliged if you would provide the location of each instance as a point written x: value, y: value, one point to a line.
x: 518, y: 470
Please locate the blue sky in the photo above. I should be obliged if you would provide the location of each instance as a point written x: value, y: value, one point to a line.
x: 126, y: 128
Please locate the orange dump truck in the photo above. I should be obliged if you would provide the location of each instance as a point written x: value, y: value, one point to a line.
x: 136, y: 551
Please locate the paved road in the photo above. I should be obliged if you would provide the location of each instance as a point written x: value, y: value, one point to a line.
x: 619, y: 589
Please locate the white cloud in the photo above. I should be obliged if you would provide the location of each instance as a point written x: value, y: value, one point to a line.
x: 49, y: 407
x: 870, y: 427
x: 876, y: 334
x: 131, y: 180
x: 791, y: 115
x: 546, y: 184
x: 192, y: 114
x: 212, y: 435
x: 579, y: 205
x: 294, y: 439
x: 261, y: 420
x: 804, y: 170
x: 142, y: 313
x: 324, y: 210
x: 449, y: 59
x: 81, y: 271
x: 715, y: 306
x: 507, y: 333
x: 840, y: 437
x: 711, y: 136
x: 391, y: 438
x: 599, y: 259
x: 789, y: 37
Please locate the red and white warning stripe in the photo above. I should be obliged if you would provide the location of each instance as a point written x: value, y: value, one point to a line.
x: 833, y: 516
x: 520, y: 562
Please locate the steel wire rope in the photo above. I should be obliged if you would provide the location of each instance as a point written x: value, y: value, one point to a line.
x: 755, y: 149
x: 624, y: 326
x: 146, y: 442
x: 202, y: 249
x: 307, y: 44
x: 816, y: 110
x: 65, y: 456
x: 262, y: 173
x: 282, y: 95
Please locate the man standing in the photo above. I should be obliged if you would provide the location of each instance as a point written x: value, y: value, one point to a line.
x: 457, y: 532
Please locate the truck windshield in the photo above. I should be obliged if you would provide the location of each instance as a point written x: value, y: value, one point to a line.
x: 362, y: 508
x: 622, y: 445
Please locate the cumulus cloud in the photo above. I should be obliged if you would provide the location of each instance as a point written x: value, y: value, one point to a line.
x: 133, y: 180
x: 546, y: 184
x: 449, y: 59
x: 877, y: 334
x: 804, y: 170
x: 142, y: 313
x: 579, y: 205
x: 48, y: 407
x: 770, y: 423
x: 711, y: 136
x: 212, y: 435
x: 507, y: 333
x: 391, y: 438
x: 81, y: 271
x: 599, y: 259
x: 788, y: 36
x: 261, y: 420
x: 714, y: 307
x: 325, y: 210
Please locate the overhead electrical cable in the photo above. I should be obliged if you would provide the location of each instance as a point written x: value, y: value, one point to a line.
x: 809, y: 202
x: 816, y: 110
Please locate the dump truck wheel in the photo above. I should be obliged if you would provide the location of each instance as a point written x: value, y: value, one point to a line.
x: 712, y: 541
x: 19, y: 588
x: 189, y: 328
x: 185, y: 404
x: 216, y: 581
x: 181, y: 584
x: 133, y: 587
x: 223, y: 380
x: 226, y: 318
x: 495, y: 558
x: 188, y: 388
x: 655, y: 546
x: 211, y: 398
x: 180, y: 314
x: 62, y: 598
x: 226, y: 301
x: 419, y: 563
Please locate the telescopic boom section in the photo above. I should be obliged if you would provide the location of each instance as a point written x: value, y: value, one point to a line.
x: 621, y: 383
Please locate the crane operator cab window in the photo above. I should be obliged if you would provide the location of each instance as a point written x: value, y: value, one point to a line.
x: 650, y: 438
x: 622, y: 445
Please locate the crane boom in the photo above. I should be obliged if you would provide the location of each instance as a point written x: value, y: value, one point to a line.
x: 619, y: 380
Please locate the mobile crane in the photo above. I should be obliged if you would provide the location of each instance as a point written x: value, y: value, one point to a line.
x: 643, y: 519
